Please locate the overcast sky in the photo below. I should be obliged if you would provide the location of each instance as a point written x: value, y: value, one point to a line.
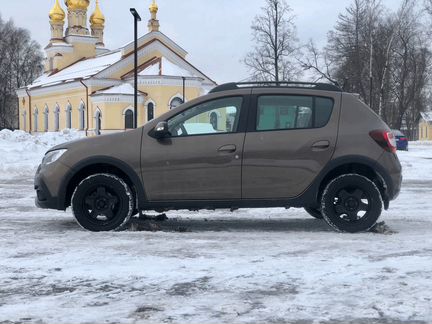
x: 216, y: 33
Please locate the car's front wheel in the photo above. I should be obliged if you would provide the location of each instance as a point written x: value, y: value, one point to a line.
x: 351, y: 203
x: 102, y: 202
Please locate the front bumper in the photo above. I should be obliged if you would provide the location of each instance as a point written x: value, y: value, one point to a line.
x: 49, y: 193
x: 43, y: 197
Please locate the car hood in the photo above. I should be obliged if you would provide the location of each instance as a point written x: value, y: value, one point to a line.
x: 124, y: 146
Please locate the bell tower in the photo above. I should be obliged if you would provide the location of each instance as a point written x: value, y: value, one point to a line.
x: 57, y: 20
x: 66, y: 48
x: 77, y: 17
x: 153, y: 24
x: 97, y: 24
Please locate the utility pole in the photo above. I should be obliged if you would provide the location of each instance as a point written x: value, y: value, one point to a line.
x: 136, y: 19
x: 184, y: 89
x: 371, y: 5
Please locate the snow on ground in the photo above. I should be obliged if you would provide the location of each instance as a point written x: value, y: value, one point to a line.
x: 250, y: 266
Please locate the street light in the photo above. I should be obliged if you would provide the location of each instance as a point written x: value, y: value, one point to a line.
x: 136, y: 19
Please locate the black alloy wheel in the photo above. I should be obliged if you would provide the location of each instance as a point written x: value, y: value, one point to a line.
x: 351, y: 203
x: 102, y: 202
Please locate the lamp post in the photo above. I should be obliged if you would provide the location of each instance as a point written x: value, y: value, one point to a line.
x: 184, y: 89
x: 136, y: 19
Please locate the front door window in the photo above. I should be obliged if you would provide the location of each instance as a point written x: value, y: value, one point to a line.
x: 214, y: 117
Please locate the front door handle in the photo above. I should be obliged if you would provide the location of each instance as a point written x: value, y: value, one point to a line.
x: 320, y: 145
x: 230, y: 148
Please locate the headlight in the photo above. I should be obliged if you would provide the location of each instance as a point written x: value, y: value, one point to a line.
x: 52, y: 156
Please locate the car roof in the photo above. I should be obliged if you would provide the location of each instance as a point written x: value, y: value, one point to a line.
x: 277, y: 85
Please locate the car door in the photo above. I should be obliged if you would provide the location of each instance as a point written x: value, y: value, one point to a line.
x: 291, y: 136
x: 201, y: 160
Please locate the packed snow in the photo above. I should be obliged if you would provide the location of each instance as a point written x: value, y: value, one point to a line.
x: 250, y: 266
x: 82, y: 69
x: 165, y: 67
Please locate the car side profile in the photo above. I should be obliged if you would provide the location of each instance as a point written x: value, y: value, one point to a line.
x: 256, y: 145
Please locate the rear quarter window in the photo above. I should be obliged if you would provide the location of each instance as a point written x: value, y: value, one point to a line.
x: 323, y: 111
x: 280, y: 112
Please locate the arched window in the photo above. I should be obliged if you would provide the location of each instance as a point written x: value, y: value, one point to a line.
x: 98, y: 122
x: 57, y: 118
x: 46, y: 118
x: 129, y: 119
x: 150, y: 111
x: 214, y: 120
x: 81, y: 115
x: 69, y: 116
x: 36, y: 116
x: 176, y: 102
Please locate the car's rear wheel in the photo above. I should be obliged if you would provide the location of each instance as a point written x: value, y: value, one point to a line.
x: 102, y: 202
x: 351, y: 203
x: 314, y: 212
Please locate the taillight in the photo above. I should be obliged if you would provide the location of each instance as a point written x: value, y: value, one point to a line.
x: 403, y: 139
x: 384, y: 139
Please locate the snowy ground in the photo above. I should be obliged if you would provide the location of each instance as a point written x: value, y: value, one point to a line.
x: 251, y: 266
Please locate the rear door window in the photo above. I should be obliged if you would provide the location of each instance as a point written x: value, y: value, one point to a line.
x: 292, y: 112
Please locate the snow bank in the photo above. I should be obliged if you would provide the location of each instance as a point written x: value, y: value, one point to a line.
x: 21, y: 152
x: 417, y: 163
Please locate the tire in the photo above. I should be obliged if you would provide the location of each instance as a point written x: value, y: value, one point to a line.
x: 102, y: 202
x: 351, y: 203
x: 314, y: 212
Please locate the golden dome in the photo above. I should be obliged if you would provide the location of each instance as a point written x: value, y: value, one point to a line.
x: 97, y: 18
x: 57, y: 14
x: 77, y: 4
x: 154, y: 7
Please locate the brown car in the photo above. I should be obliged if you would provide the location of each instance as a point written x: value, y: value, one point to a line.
x: 241, y: 146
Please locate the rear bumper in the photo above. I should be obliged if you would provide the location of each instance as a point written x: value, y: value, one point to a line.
x: 393, y: 177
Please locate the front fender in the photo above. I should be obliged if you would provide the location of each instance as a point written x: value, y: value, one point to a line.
x: 96, y: 161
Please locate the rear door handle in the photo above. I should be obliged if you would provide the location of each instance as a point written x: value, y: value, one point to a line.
x: 320, y: 146
x: 230, y: 148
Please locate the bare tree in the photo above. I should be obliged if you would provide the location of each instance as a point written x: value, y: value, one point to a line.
x: 391, y: 48
x: 394, y: 27
x: 20, y: 63
x: 428, y: 6
x: 318, y: 64
x: 276, y: 44
x: 410, y: 71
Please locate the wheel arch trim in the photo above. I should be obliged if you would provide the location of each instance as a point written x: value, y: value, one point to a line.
x: 349, y: 160
x: 133, y: 177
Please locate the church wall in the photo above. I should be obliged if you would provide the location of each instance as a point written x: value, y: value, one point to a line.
x: 81, y: 51
x: 63, y: 99
x: 24, y: 121
x: 162, y: 96
x: 425, y: 131
x: 112, y: 113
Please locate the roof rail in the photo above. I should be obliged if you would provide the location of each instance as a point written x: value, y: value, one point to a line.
x: 283, y: 84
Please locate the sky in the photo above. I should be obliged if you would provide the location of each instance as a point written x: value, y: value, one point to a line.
x: 215, y: 33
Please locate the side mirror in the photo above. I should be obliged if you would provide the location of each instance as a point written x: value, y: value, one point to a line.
x: 161, y: 130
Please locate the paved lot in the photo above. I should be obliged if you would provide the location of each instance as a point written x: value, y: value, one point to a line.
x: 251, y: 266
